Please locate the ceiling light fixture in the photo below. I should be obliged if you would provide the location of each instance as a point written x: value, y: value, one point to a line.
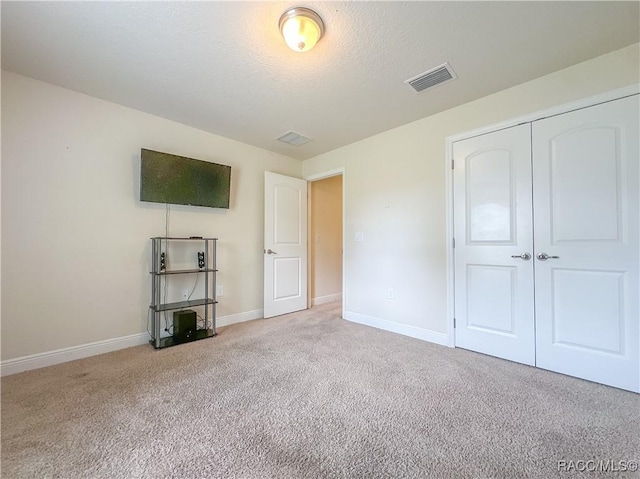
x: 301, y: 28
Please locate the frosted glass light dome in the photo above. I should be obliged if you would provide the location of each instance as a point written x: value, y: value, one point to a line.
x: 301, y: 28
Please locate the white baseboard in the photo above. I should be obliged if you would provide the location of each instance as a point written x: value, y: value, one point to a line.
x: 326, y: 299
x: 239, y: 318
x: 406, y: 330
x: 49, y: 358
x: 58, y: 356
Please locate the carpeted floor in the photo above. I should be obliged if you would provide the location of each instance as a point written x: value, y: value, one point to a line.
x: 309, y: 395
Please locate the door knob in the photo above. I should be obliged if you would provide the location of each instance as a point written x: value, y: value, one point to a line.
x: 270, y: 251
x: 545, y: 257
x: 524, y: 256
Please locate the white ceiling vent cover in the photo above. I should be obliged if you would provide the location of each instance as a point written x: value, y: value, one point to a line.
x: 293, y: 138
x: 436, y: 76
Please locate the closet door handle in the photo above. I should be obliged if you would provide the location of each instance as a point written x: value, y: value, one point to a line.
x: 524, y: 256
x: 545, y: 257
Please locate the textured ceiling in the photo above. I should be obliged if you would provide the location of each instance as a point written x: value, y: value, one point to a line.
x: 223, y: 66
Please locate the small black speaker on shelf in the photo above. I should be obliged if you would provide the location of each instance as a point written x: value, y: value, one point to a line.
x: 163, y: 261
x: 201, y: 259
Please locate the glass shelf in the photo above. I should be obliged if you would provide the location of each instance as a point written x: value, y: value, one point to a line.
x: 173, y: 340
x: 184, y: 271
x: 182, y: 239
x: 182, y: 304
x: 159, y: 277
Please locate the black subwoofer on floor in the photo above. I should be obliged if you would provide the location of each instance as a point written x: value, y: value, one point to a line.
x: 184, y: 324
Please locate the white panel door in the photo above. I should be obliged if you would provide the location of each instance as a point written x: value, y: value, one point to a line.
x: 494, y: 244
x: 587, y: 211
x: 285, y: 244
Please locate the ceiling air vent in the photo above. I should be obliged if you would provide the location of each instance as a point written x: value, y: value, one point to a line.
x: 293, y: 138
x: 431, y: 78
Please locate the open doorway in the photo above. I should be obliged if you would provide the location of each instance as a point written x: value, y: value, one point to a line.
x: 325, y: 240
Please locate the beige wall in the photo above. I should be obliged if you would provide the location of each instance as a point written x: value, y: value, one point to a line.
x: 75, y: 247
x: 75, y: 237
x: 395, y: 192
x: 326, y: 237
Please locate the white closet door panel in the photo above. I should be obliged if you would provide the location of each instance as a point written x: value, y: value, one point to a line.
x: 586, y: 212
x: 492, y: 223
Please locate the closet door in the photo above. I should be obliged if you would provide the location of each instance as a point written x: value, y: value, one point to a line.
x: 586, y: 217
x: 494, y: 244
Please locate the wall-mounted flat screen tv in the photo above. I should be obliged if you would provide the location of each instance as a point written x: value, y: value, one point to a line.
x: 166, y: 178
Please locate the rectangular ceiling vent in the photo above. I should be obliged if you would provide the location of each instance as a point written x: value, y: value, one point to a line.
x: 293, y: 138
x: 436, y: 76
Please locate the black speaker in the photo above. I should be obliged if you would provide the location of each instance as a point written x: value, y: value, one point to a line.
x: 163, y: 262
x: 184, y: 324
x: 201, y: 259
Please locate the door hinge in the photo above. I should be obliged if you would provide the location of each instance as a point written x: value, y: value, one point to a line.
x: 454, y: 323
x: 453, y: 242
x: 452, y: 163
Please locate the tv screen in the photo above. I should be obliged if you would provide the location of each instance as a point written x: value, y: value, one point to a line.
x: 166, y: 178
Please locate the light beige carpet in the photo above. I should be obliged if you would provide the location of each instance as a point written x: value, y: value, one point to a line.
x: 308, y: 395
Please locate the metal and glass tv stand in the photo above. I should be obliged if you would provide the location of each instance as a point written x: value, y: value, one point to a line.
x: 205, y: 263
